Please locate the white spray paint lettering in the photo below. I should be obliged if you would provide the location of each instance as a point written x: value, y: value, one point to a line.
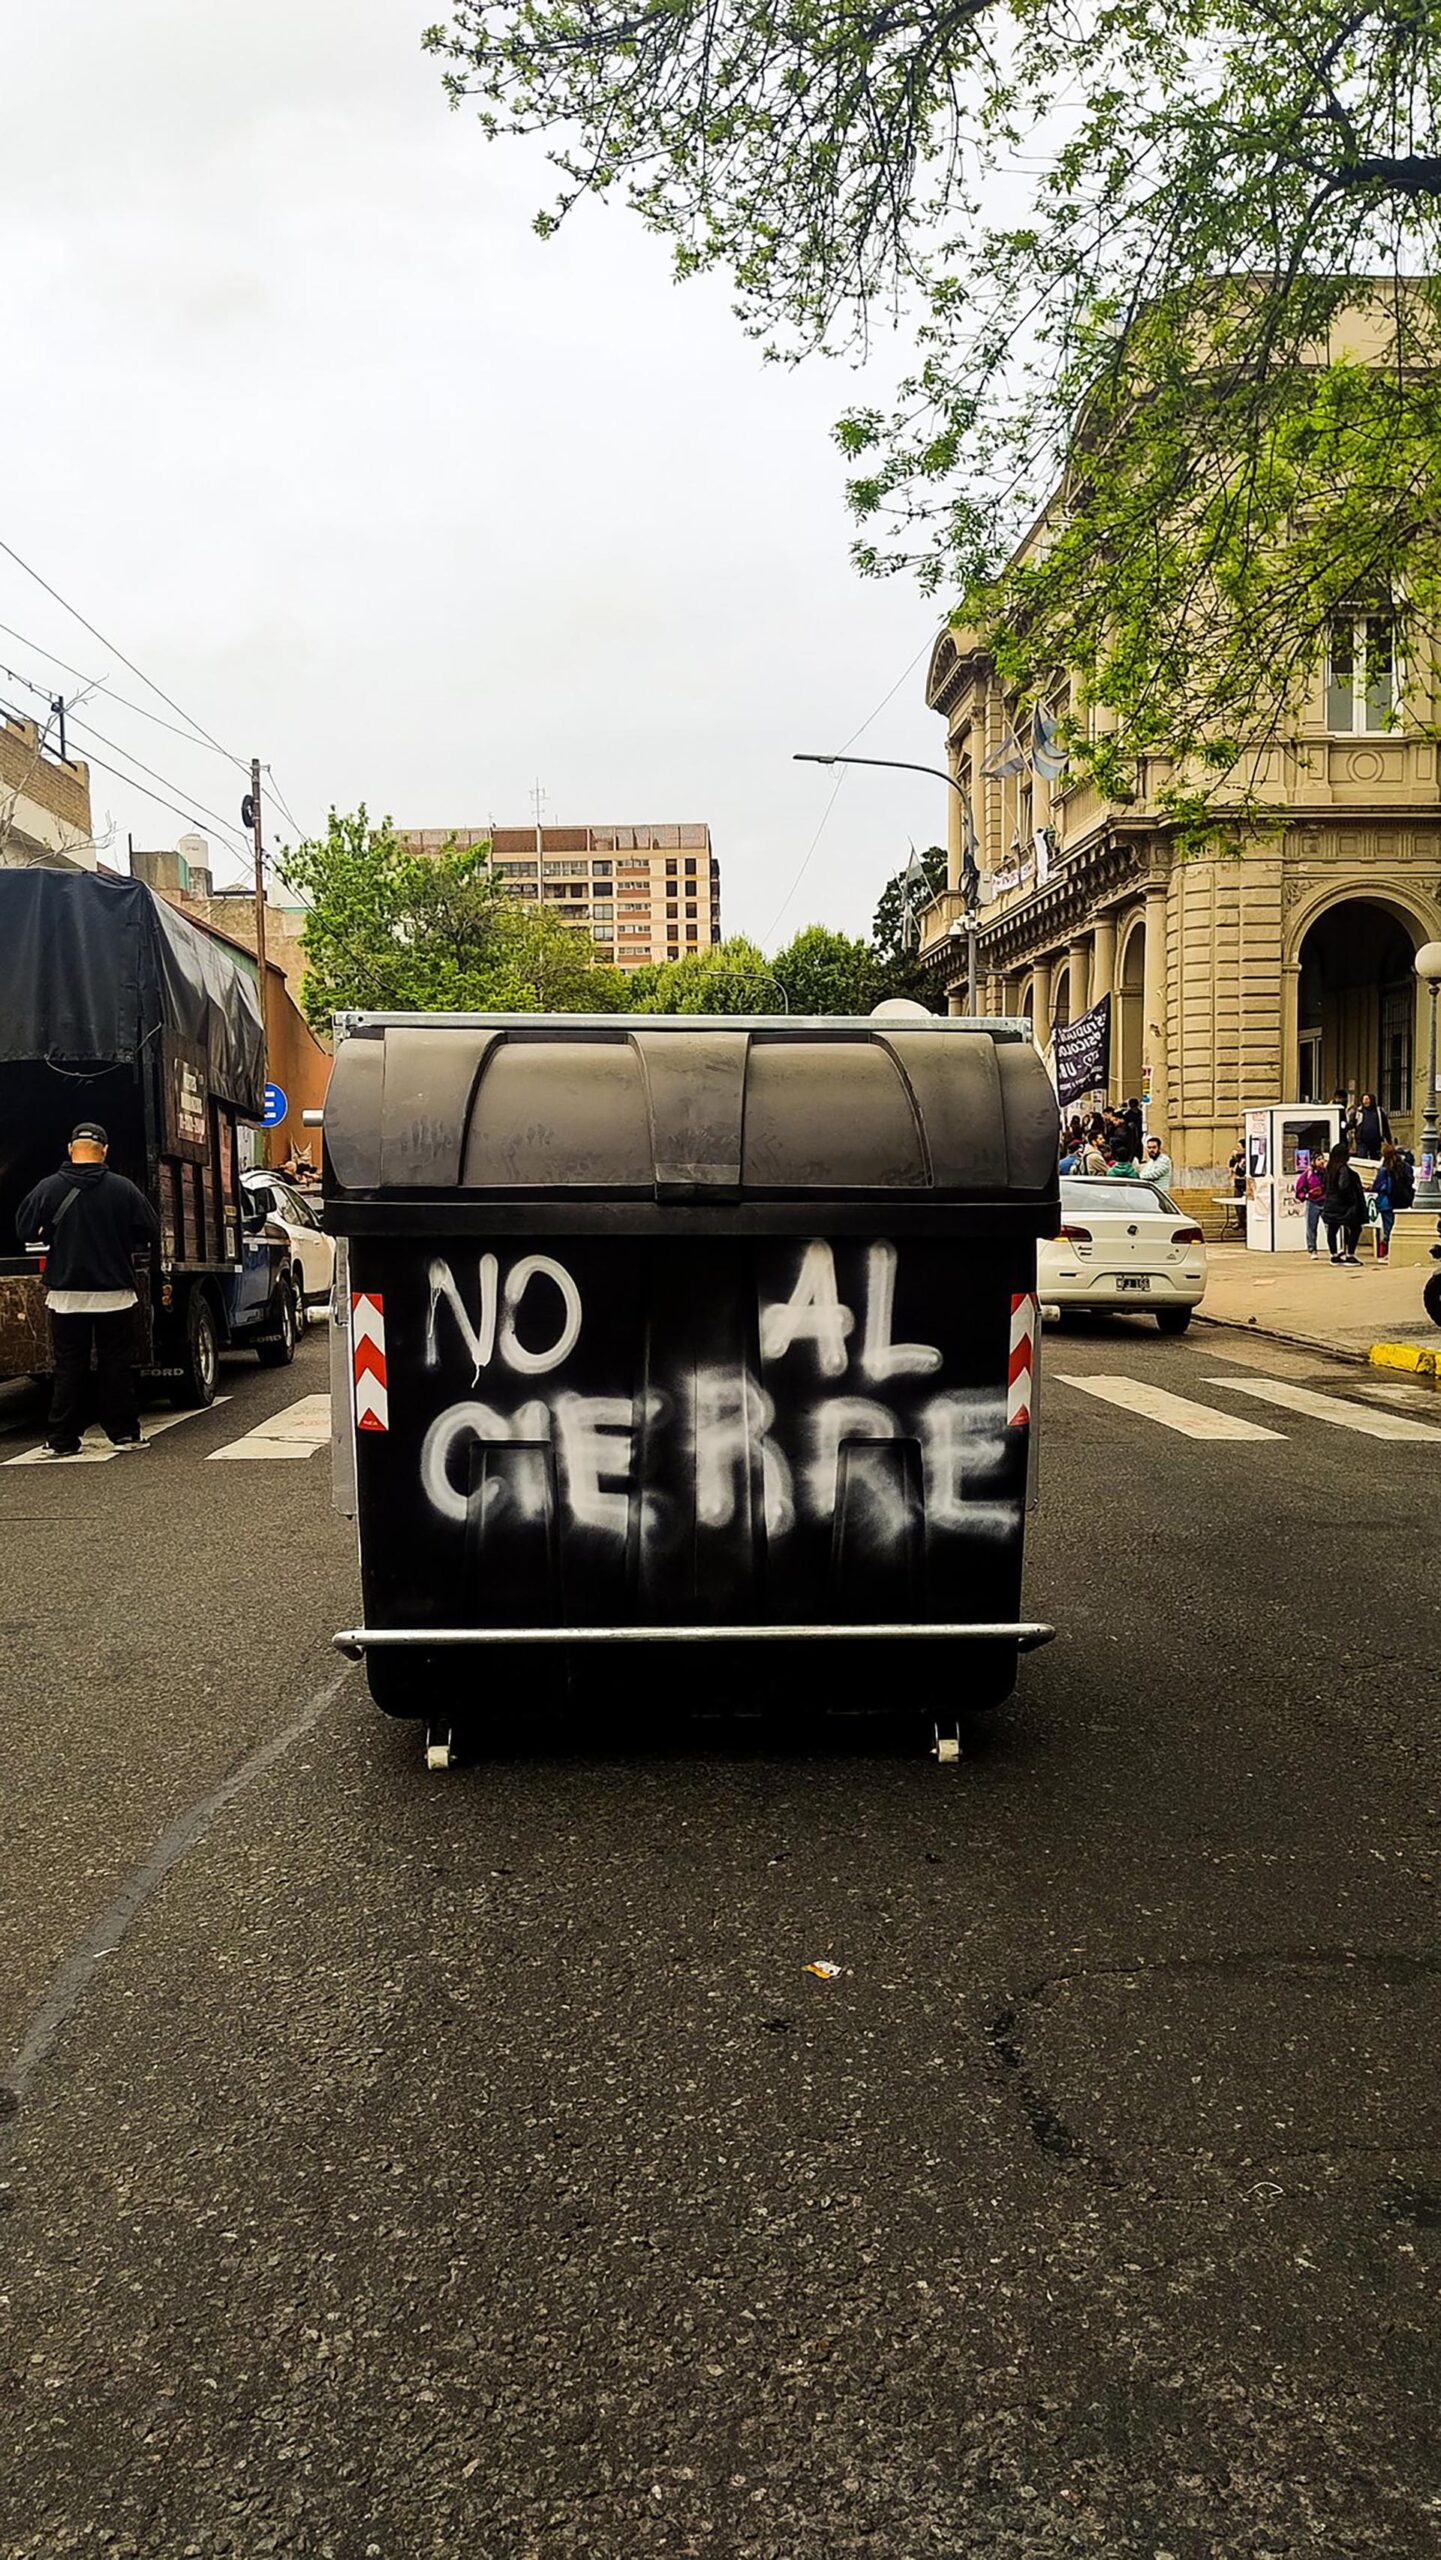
x: 586, y: 1445
x: 496, y: 1326
x: 731, y: 1419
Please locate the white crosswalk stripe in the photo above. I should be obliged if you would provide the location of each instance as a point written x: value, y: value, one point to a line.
x: 96, y: 1450
x: 1334, y: 1409
x: 295, y: 1432
x: 1174, y: 1413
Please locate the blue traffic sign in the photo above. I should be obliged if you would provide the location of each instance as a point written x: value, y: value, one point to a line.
x: 276, y: 1106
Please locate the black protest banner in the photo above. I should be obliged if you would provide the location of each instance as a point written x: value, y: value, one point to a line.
x: 1083, y: 1053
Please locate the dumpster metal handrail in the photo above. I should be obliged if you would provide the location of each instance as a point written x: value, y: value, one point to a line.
x: 1026, y: 1634
x: 1009, y: 1028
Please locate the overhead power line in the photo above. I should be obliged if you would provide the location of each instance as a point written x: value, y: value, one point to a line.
x: 276, y: 797
x: 87, y: 729
x: 148, y: 681
x: 805, y: 863
x: 97, y: 684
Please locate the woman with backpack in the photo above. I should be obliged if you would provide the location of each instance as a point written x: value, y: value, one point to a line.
x: 1343, y: 1206
x: 1391, y: 1188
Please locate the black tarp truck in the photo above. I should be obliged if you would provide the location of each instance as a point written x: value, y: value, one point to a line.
x: 705, y: 1348
x: 114, y: 1007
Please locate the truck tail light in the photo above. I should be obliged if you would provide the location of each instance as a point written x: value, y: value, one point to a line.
x: 1188, y: 1235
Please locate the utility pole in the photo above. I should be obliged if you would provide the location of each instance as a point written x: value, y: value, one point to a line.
x: 255, y: 812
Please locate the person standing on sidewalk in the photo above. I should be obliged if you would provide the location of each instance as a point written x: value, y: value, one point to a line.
x: 92, y: 1223
x: 1155, y: 1166
x: 1343, y: 1206
x: 1370, y: 1129
x: 1311, y: 1188
x: 1391, y: 1188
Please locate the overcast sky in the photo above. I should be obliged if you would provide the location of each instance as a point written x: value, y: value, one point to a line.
x: 305, y: 420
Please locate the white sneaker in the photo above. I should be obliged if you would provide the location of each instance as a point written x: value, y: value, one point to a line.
x: 122, y: 1448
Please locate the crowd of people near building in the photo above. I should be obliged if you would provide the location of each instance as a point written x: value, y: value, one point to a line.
x: 1113, y: 1142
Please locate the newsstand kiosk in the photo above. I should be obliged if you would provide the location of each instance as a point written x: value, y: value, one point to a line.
x: 708, y: 1344
x: 1282, y: 1138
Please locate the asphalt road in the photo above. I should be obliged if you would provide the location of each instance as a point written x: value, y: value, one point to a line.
x: 470, y: 2166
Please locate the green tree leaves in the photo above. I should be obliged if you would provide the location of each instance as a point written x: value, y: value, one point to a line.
x: 399, y: 932
x: 1175, y: 267
x: 394, y: 931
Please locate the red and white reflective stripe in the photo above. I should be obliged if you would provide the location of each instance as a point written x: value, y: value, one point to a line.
x: 1021, y: 1367
x: 367, y: 1356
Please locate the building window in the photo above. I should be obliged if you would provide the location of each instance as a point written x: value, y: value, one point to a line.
x: 1362, y: 688
x: 690, y: 907
x: 692, y: 933
x: 1398, y: 1014
x: 601, y: 932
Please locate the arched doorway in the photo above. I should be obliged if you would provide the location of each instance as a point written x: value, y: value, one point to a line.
x: 1356, y: 1005
x: 1128, y: 1055
x: 1061, y: 999
x: 1028, y: 1000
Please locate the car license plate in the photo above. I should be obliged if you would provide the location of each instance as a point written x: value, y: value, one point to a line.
x: 1134, y: 1280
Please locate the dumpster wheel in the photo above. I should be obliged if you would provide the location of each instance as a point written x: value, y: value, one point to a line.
x: 439, y: 1746
x: 946, y: 1743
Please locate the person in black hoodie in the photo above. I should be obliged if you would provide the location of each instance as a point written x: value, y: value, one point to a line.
x: 1370, y: 1129
x: 1343, y: 1206
x: 92, y: 1223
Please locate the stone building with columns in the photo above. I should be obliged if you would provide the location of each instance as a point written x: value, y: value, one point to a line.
x: 1280, y: 971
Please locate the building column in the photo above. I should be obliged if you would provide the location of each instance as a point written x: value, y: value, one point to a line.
x: 1103, y: 958
x: 955, y: 827
x: 1041, y: 1017
x: 1080, y: 957
x: 1103, y: 983
x: 1153, y: 1012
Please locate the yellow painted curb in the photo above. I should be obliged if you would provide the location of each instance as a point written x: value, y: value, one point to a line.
x: 1405, y: 1355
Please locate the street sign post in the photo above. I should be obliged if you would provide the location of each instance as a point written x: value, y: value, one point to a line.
x: 277, y: 1104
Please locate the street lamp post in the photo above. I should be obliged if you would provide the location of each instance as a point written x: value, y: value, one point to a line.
x: 895, y: 764
x: 1428, y: 1189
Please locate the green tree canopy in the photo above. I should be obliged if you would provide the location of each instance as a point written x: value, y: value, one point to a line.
x: 727, y: 977
x: 826, y: 972
x: 391, y: 930
x: 1180, y: 261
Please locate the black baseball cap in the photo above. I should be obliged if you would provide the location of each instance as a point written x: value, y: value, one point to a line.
x: 90, y: 1129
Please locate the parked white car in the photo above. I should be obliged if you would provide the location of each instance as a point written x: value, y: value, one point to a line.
x: 312, y: 1251
x: 1125, y: 1247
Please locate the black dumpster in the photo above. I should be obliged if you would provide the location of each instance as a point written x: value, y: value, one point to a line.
x: 711, y: 1340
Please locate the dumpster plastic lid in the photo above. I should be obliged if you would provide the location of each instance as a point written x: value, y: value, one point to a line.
x: 684, y: 1110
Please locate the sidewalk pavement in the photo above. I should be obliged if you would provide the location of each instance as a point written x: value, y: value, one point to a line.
x: 1351, y: 1310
